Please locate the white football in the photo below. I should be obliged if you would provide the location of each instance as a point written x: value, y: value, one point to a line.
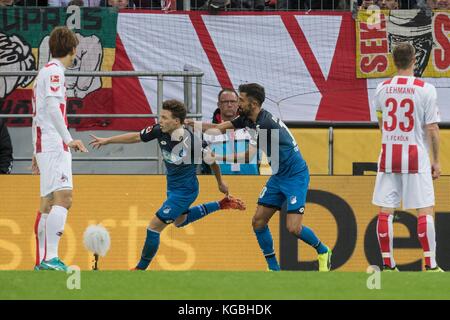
x: 96, y: 239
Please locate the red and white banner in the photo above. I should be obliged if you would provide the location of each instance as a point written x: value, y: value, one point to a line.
x: 306, y: 62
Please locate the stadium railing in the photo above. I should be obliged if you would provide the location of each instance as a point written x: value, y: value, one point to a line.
x: 188, y: 101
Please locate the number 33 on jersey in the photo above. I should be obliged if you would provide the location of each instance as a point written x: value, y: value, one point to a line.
x: 407, y: 105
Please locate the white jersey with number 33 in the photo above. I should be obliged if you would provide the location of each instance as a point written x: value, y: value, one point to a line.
x: 408, y: 104
x: 50, y: 82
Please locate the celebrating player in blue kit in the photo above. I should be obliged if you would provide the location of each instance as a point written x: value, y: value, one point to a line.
x: 290, y: 175
x: 182, y: 151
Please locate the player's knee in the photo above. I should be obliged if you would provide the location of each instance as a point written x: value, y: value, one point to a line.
x: 294, y: 229
x: 66, y: 202
x: 428, y: 211
x: 258, y: 223
x: 180, y: 224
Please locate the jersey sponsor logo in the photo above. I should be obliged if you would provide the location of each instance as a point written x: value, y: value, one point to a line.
x: 54, y: 89
x: 54, y: 78
x: 173, y: 158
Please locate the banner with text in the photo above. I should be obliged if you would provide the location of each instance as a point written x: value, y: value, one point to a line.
x: 338, y: 209
x: 377, y: 33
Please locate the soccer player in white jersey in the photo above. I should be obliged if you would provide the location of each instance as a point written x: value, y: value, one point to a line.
x: 408, y: 116
x: 51, y: 142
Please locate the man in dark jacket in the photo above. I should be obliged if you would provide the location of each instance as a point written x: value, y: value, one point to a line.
x: 6, y: 149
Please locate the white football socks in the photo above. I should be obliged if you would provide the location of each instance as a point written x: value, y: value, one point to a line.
x: 54, y: 230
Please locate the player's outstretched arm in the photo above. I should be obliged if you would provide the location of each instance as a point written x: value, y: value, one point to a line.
x: 132, y: 137
x: 218, y: 174
x: 241, y: 157
x: 212, y: 129
x: 433, y: 136
x: 209, y: 158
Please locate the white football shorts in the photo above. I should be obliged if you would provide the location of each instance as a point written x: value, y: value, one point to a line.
x: 55, y: 171
x: 415, y: 190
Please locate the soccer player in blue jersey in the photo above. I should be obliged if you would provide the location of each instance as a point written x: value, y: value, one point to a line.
x: 182, y: 152
x: 290, y: 175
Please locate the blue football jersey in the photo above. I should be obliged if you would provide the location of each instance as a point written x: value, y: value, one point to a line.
x: 270, y: 132
x: 181, y: 156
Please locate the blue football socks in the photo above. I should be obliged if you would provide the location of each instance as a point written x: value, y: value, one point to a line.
x: 198, y: 212
x: 150, y: 247
x: 308, y: 236
x: 265, y: 242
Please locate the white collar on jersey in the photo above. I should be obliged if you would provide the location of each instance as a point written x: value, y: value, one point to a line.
x: 59, y: 63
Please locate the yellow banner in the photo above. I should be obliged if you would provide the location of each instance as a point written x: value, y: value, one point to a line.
x: 339, y: 210
x: 377, y: 31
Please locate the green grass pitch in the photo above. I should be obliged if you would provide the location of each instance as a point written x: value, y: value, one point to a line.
x: 222, y: 285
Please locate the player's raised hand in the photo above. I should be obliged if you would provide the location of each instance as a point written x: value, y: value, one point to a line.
x: 97, y: 142
x: 435, y: 170
x: 77, y: 145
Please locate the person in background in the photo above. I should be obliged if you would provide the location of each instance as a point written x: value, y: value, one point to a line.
x: 232, y: 142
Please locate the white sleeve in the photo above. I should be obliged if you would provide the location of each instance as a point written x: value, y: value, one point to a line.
x: 431, y: 109
x: 52, y: 105
x: 54, y: 83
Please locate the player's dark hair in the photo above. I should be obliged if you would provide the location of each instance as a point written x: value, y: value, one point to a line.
x: 226, y: 90
x: 62, y: 41
x: 253, y: 91
x: 177, y: 109
x: 403, y: 55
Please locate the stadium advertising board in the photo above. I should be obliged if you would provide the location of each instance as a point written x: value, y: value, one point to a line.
x: 339, y: 209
